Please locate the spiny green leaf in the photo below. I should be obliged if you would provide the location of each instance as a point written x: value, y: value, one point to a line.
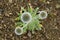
x: 25, y: 29
x: 17, y: 18
x: 35, y: 11
x: 19, y: 24
x: 30, y: 9
x: 22, y: 8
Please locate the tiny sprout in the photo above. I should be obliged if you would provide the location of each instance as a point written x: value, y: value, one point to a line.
x: 18, y: 30
x: 26, y: 17
x: 42, y: 14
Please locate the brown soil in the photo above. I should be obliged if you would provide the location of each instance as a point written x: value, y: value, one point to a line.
x: 51, y: 25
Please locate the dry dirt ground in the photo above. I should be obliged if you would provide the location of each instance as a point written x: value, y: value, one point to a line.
x: 51, y: 25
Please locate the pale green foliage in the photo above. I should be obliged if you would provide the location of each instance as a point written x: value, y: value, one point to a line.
x: 34, y: 24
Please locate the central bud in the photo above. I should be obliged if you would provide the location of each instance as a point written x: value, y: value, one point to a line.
x: 26, y: 17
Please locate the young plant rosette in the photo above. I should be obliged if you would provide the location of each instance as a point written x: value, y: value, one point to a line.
x: 29, y: 20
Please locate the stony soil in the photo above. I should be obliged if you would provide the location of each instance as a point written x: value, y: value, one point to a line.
x: 51, y: 26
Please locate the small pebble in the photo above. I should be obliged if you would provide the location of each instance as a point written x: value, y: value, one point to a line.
x: 10, y: 1
x: 57, y: 5
x: 2, y: 21
x: 33, y: 32
x: 0, y: 27
x: 59, y: 38
x: 48, y: 2
x: 0, y: 17
x: 29, y: 34
x: 12, y: 38
x: 25, y: 37
x: 10, y: 13
x: 4, y: 25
